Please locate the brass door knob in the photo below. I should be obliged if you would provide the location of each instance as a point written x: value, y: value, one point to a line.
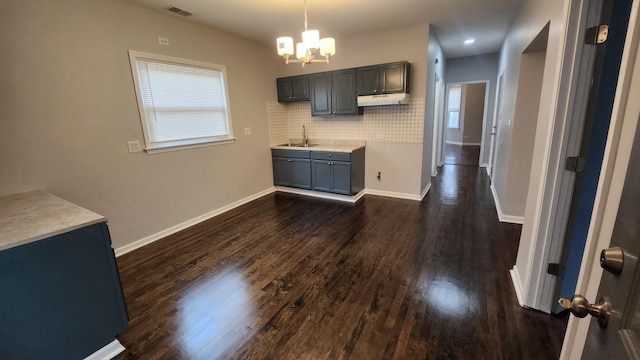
x: 580, y: 307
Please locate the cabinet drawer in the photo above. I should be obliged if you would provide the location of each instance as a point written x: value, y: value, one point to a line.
x: 298, y: 154
x: 329, y: 155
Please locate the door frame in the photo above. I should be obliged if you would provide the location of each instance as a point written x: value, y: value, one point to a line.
x: 436, y: 157
x: 624, y: 121
x: 494, y: 124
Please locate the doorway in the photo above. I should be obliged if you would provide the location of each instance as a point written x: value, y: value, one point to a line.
x: 463, y: 127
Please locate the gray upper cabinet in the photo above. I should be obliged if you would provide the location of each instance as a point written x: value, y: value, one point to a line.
x: 383, y: 79
x: 320, y: 84
x: 293, y: 88
x: 334, y: 93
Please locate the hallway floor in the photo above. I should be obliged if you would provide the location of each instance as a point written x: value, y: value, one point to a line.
x: 461, y: 155
x: 292, y: 277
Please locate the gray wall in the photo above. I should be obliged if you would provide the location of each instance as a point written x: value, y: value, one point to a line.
x: 436, y: 65
x: 68, y: 109
x: 475, y: 68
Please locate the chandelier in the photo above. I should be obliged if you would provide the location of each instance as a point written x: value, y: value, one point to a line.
x: 306, y: 50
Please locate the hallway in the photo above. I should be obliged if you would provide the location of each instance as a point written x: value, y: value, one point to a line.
x: 292, y: 277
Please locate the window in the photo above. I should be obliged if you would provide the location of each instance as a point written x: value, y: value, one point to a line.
x: 182, y: 103
x: 453, y: 107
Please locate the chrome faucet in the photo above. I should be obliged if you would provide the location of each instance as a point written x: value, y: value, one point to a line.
x: 305, y: 138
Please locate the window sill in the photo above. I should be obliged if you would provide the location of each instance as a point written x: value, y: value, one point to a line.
x: 159, y: 150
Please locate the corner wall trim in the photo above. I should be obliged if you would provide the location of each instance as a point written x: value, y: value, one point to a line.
x: 107, y: 352
x: 502, y: 216
x: 174, y: 229
x: 517, y: 285
x: 425, y: 191
x: 395, y: 194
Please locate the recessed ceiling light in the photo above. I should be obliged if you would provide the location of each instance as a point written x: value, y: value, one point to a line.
x: 469, y: 41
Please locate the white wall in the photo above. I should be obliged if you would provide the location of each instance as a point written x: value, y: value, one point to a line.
x: 532, y: 19
x: 68, y: 109
x: 401, y: 174
x: 476, y: 68
x: 523, y: 133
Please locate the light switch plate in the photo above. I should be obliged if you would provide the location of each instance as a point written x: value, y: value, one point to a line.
x: 134, y: 146
x: 247, y: 131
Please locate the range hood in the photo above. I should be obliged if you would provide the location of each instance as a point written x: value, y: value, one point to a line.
x: 384, y: 99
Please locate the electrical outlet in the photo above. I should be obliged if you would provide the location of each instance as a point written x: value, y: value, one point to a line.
x: 247, y: 131
x: 134, y: 146
x: 163, y: 41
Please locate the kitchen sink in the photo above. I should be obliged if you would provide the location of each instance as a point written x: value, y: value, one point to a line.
x: 297, y: 145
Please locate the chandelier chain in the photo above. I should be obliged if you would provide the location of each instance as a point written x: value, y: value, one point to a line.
x: 305, y: 15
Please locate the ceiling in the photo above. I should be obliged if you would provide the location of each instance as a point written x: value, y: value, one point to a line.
x: 487, y: 21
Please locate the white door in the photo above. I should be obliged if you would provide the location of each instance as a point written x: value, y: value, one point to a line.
x: 615, y: 224
x: 614, y: 331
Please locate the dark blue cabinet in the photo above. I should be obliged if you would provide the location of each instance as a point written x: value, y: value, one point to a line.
x: 61, y: 296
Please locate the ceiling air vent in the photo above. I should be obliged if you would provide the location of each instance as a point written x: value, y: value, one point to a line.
x: 179, y: 11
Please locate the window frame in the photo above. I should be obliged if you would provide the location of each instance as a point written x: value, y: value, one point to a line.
x: 457, y: 109
x: 152, y: 148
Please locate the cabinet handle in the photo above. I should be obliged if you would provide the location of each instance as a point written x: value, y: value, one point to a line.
x: 375, y: 91
x: 289, y: 160
x: 330, y: 155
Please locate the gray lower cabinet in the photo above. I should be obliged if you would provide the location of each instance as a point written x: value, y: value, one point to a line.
x: 338, y: 172
x: 291, y: 168
x: 335, y: 172
x: 331, y: 176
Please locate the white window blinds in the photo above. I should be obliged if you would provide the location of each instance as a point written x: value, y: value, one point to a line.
x: 453, y: 107
x: 181, y: 104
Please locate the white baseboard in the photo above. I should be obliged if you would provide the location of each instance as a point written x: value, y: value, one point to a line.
x: 502, y: 216
x: 174, y: 229
x: 395, y: 194
x: 425, y: 191
x: 517, y: 285
x: 463, y: 143
x: 323, y: 195
x: 107, y: 352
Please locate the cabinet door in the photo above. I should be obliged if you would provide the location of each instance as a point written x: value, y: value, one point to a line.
x: 321, y: 175
x: 320, y: 85
x: 284, y: 89
x: 393, y: 77
x: 368, y: 80
x: 300, y: 88
x: 281, y: 171
x: 301, y: 173
x: 344, y: 99
x: 341, y: 176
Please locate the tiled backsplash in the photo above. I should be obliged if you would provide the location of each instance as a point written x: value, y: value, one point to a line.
x: 379, y: 124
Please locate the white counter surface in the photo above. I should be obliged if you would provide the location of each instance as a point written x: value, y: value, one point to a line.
x: 324, y: 145
x: 36, y: 215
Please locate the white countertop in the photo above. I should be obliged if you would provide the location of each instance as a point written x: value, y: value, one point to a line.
x: 36, y: 215
x: 324, y: 145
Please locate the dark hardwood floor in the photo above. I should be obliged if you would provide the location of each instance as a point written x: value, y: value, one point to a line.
x: 461, y: 155
x: 291, y: 277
